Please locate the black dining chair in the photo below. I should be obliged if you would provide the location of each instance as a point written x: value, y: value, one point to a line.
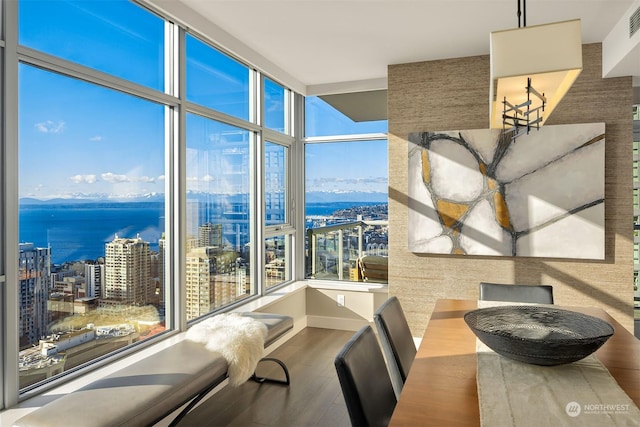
x: 364, y: 380
x: 540, y: 294
x: 397, y: 341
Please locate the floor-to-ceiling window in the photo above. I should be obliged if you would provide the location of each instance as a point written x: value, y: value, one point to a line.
x: 91, y: 188
x: 150, y: 163
x: 91, y: 182
x: 346, y: 192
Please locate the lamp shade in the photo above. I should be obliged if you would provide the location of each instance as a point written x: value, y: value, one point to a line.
x: 550, y: 55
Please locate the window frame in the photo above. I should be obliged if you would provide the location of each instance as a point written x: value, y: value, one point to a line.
x: 251, y: 78
x: 253, y: 215
x: 288, y: 140
x: 288, y: 211
x: 287, y: 107
x: 287, y: 227
x: 70, y: 70
x: 173, y: 97
x: 331, y: 139
x: 100, y: 14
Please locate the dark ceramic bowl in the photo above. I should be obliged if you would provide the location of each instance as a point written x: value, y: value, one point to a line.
x: 539, y: 335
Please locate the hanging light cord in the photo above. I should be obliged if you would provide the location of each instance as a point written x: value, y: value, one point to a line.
x: 522, y: 13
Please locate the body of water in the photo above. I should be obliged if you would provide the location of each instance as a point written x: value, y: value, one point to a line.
x: 326, y: 209
x: 80, y: 231
x: 77, y: 232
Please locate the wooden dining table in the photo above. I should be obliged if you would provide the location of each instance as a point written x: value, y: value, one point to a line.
x: 441, y: 388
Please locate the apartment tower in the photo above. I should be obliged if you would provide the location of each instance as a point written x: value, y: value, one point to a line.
x: 127, y: 271
x: 94, y: 276
x: 34, y: 281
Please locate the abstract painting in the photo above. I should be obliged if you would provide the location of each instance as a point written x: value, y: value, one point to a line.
x: 482, y: 192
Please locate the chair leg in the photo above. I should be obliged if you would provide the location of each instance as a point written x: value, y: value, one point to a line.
x: 261, y: 380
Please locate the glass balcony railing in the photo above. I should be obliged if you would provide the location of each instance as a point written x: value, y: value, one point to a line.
x: 353, y: 251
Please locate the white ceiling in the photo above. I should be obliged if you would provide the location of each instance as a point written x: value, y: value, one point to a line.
x: 321, y: 44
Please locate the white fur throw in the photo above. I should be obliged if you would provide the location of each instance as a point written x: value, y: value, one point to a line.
x: 239, y: 339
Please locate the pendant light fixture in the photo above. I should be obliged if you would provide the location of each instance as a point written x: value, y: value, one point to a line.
x: 532, y: 68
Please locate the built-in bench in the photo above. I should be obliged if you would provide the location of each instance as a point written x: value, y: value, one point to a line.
x: 149, y: 390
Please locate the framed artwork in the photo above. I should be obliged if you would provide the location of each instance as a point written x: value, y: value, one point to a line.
x: 480, y: 192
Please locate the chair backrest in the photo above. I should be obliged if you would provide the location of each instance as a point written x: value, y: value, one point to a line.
x: 396, y: 339
x: 364, y: 380
x: 541, y: 294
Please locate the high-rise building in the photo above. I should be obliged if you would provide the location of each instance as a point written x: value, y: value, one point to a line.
x: 192, y: 243
x: 94, y: 277
x: 34, y: 275
x: 127, y: 271
x: 210, y: 280
x: 200, y: 281
x: 210, y: 235
x: 242, y: 284
x: 275, y: 187
x: 154, y: 277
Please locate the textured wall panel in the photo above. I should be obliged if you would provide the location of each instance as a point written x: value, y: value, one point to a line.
x: 454, y: 94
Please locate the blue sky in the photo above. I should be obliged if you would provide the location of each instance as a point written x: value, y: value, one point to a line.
x: 81, y: 139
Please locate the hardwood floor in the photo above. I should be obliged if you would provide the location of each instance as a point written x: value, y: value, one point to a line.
x: 314, y: 397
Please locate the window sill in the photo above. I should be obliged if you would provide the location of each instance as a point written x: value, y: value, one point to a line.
x: 348, y: 286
